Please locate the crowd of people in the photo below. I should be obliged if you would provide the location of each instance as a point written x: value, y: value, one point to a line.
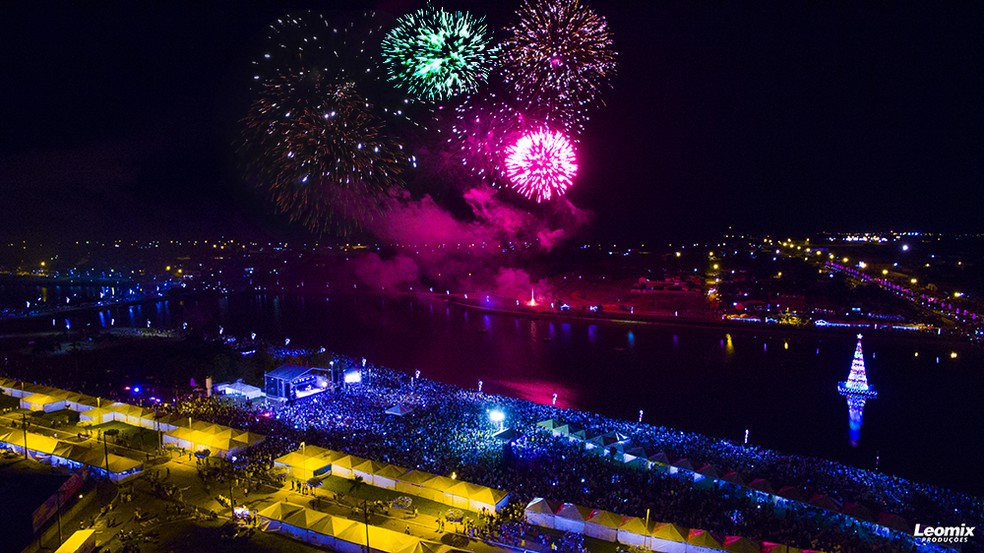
x: 448, y: 430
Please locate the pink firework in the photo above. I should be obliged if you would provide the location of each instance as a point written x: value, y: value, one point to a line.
x: 541, y: 164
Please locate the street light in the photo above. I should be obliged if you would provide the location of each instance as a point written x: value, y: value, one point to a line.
x: 232, y: 475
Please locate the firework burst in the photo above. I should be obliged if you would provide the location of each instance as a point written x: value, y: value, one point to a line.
x: 435, y: 54
x: 559, y: 56
x: 320, y: 153
x: 304, y: 42
x: 541, y: 164
x: 312, y: 139
x: 481, y: 130
x: 487, y: 123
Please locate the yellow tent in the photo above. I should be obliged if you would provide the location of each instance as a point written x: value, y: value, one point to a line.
x: 488, y: 498
x: 634, y: 531
x: 304, y: 467
x: 669, y: 538
x: 412, y: 482
x: 380, y: 539
x: 316, y: 451
x: 276, y: 513
x: 37, y: 443
x: 603, y: 525
x: 342, y: 466
x: 82, y: 402
x: 671, y: 532
x: 220, y: 440
x: 388, y: 476
x: 367, y: 470
x: 279, y: 510
x: 42, y: 402
x: 459, y: 493
x: 299, y: 522
x: 168, y: 423
x: 330, y: 525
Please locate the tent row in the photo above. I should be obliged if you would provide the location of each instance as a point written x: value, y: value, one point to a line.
x: 614, y: 444
x: 340, y: 534
x: 312, y: 461
x: 658, y: 536
x: 73, y: 455
x: 37, y: 397
x: 222, y: 441
x: 592, y: 439
x: 121, y: 412
x: 183, y: 432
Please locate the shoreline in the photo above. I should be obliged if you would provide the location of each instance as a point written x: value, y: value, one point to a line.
x: 624, y: 319
x: 690, y: 323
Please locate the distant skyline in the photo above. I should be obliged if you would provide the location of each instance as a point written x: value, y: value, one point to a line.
x: 120, y: 121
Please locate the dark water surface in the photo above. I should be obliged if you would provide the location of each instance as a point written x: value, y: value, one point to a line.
x: 925, y: 424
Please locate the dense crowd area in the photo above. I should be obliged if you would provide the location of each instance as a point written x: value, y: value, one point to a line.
x: 449, y: 431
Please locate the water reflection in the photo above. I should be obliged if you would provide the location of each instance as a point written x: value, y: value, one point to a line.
x: 855, y: 417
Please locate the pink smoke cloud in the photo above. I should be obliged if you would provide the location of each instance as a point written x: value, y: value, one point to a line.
x: 470, y: 253
x: 423, y: 221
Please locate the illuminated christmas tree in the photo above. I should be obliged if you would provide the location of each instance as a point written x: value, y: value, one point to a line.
x: 857, y: 381
x: 857, y: 391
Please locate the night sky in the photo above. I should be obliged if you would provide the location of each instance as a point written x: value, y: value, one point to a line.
x: 780, y: 118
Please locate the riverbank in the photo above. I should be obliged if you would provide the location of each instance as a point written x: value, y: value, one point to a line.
x: 726, y: 325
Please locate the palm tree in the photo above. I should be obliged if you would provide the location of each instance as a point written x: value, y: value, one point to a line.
x: 357, y: 484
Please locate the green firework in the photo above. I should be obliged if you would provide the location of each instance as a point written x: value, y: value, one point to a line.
x: 435, y: 54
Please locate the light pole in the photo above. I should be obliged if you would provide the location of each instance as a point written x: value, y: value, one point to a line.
x: 24, y: 427
x: 232, y: 504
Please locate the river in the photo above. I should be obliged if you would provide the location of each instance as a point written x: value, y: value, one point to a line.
x: 779, y: 385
